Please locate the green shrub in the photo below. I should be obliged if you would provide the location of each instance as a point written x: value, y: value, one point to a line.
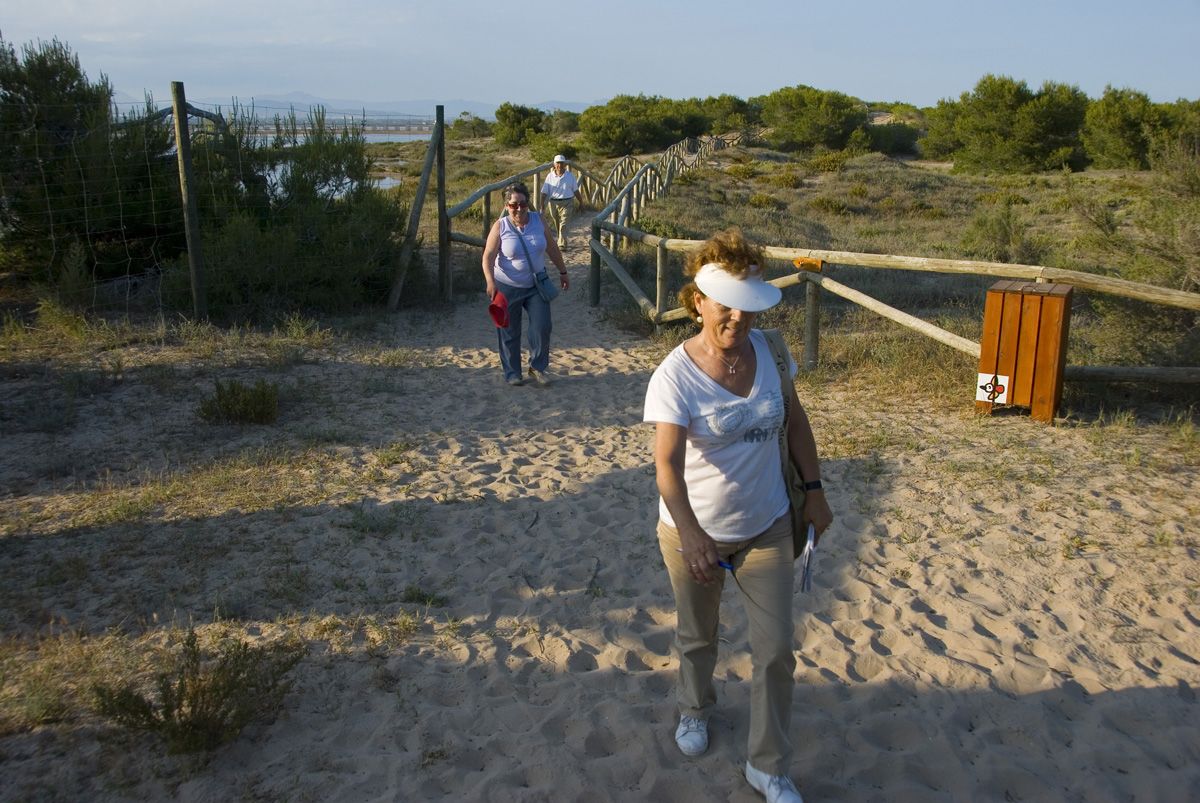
x: 562, y: 122
x: 787, y: 179
x: 1118, y: 129
x: 79, y: 180
x: 544, y: 147
x: 1158, y: 243
x: 201, y: 705
x: 1001, y: 235
x: 236, y: 403
x: 745, y: 172
x: 828, y: 162
x: 893, y: 138
x: 762, y: 200
x: 629, y: 124
x: 804, y: 117
x: 516, y: 124
x: 468, y: 126
x: 830, y: 205
x: 1002, y: 126
x: 664, y: 228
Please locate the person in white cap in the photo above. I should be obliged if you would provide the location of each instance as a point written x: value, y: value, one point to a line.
x: 562, y: 193
x: 717, y: 405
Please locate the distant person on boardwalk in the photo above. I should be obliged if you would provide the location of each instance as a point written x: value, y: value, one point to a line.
x: 717, y: 405
x: 562, y: 196
x: 516, y: 250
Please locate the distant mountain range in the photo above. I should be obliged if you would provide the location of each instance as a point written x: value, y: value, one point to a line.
x: 302, y: 101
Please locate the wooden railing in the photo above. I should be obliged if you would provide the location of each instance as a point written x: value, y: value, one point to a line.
x: 631, y: 184
x: 813, y: 262
x: 629, y: 180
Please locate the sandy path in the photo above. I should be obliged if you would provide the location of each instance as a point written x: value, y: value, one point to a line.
x: 1001, y: 611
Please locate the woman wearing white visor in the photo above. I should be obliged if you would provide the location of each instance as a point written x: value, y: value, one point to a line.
x: 718, y: 408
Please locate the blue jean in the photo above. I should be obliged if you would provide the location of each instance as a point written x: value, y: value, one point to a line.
x: 509, y: 339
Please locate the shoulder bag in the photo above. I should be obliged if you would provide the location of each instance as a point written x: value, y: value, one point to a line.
x: 791, y: 477
x: 547, y: 289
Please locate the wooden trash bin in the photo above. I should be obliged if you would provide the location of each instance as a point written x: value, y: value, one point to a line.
x: 1024, y: 347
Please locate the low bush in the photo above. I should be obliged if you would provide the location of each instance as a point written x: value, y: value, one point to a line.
x: 544, y: 147
x: 829, y: 161
x: 664, y: 228
x: 787, y: 179
x: 762, y: 200
x: 745, y: 172
x: 1001, y: 235
x: 198, y: 705
x: 237, y: 403
x: 830, y: 205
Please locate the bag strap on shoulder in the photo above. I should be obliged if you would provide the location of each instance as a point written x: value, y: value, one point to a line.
x: 779, y: 351
x: 528, y: 258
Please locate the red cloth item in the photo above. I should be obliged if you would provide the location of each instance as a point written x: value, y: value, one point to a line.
x: 498, y: 309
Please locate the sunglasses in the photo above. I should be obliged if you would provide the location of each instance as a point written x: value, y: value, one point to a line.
x: 518, y: 205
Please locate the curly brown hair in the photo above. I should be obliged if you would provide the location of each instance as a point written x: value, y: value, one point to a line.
x: 728, y: 249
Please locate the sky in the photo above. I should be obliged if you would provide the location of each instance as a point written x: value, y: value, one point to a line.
x: 534, y: 51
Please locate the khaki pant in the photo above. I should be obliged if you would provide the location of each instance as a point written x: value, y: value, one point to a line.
x: 763, y: 571
x: 559, y: 212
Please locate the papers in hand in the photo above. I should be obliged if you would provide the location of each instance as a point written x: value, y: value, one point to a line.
x: 806, y: 560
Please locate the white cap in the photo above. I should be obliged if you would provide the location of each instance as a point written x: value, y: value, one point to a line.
x: 750, y: 294
x: 560, y: 158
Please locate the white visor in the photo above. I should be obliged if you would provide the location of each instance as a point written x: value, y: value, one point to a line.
x: 750, y: 294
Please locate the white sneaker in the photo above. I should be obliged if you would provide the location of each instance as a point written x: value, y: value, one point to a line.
x: 775, y: 788
x: 691, y: 736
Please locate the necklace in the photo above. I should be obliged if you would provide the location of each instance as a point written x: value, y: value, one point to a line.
x: 732, y: 366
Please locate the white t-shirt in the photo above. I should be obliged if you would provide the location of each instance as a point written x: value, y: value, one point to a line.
x: 560, y: 187
x: 731, y: 460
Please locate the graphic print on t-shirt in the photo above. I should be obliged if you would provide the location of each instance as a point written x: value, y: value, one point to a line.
x: 744, y: 420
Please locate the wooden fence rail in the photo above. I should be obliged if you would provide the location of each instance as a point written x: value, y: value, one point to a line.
x: 657, y: 313
x: 631, y: 184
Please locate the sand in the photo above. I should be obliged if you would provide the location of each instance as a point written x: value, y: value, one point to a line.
x: 1001, y: 611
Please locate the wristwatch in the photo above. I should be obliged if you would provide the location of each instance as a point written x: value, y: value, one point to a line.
x: 815, y: 485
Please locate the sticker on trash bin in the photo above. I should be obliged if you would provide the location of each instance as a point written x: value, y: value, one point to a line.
x: 992, y: 388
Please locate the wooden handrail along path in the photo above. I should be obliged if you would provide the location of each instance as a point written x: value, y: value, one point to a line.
x: 631, y: 184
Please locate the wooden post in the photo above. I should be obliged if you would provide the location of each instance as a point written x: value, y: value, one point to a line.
x: 594, y: 269
x: 812, y: 324
x: 660, y: 290
x: 487, y: 215
x: 191, y: 218
x: 445, y: 280
x: 414, y: 223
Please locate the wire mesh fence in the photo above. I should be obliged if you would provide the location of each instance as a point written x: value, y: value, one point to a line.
x: 290, y: 214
